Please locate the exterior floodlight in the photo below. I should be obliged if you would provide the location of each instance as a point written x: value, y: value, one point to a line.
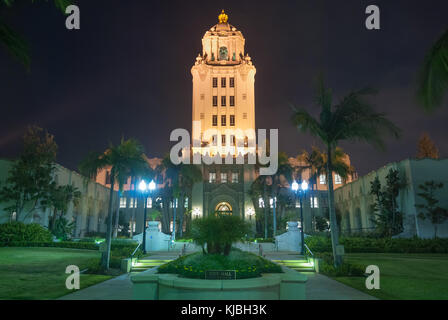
x: 304, y: 185
x: 250, y: 211
x: 152, y: 185
x: 142, y: 185
x: 295, y: 186
x: 197, y: 211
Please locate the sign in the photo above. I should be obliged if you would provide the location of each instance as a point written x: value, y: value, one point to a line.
x: 220, y: 275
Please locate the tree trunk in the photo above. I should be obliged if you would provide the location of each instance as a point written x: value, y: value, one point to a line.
x: 117, y: 214
x: 105, y: 257
x: 266, y: 204
x: 332, y: 211
x: 131, y: 231
x: 181, y: 214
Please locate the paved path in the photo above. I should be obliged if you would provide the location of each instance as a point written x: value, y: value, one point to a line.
x: 319, y: 287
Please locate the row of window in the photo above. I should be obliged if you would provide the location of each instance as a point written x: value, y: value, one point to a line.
x: 223, y: 101
x: 224, y: 82
x: 337, y: 179
x: 212, y: 177
x: 133, y: 203
x: 313, y: 202
x: 223, y: 120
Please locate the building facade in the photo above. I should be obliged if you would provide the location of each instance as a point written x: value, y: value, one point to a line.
x: 354, y: 201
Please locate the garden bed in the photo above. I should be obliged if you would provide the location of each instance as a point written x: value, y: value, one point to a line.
x: 247, y: 265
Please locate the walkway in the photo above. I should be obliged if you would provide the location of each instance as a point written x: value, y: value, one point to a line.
x: 319, y: 287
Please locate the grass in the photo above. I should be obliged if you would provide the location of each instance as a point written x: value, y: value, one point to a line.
x: 39, y: 273
x: 403, y: 276
x: 246, y: 265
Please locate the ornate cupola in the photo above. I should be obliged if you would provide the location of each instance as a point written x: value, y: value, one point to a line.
x: 223, y: 44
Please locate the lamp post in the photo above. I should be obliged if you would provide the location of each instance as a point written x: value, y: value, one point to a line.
x: 144, y: 187
x: 303, y: 188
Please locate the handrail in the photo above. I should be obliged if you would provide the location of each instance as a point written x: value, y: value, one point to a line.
x: 308, y: 249
x: 133, y: 253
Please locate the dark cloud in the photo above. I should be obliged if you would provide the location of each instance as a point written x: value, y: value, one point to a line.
x: 127, y: 71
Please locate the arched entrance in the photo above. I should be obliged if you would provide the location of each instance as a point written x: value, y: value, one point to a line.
x: 223, y: 208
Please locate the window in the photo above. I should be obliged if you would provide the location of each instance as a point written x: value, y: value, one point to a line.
x: 149, y: 203
x: 232, y: 101
x: 234, y: 177
x: 214, y: 120
x: 202, y: 96
x: 215, y: 82
x: 223, y: 82
x: 223, y: 177
x: 202, y: 116
x: 223, y: 140
x: 132, y: 203
x: 337, y: 179
x: 260, y: 202
x: 322, y: 179
x: 212, y: 177
x: 215, y: 101
x: 186, y: 202
x: 232, y: 140
x: 232, y: 120
x: 297, y: 203
x: 223, y: 121
x: 313, y: 202
x: 107, y: 177
x: 223, y: 101
x: 122, y: 202
x: 232, y: 82
x: 244, y: 115
x: 244, y: 96
x: 215, y: 140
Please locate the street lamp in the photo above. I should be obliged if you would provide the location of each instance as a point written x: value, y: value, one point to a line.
x: 250, y: 212
x: 301, y: 192
x: 144, y: 187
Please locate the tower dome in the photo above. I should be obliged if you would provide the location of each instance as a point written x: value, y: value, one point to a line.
x: 223, y: 44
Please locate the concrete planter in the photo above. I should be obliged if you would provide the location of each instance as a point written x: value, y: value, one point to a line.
x: 150, y: 285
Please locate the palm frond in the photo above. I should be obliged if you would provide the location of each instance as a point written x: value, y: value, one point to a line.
x: 433, y: 78
x: 15, y: 45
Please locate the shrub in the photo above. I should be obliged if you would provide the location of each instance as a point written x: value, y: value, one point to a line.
x: 247, y: 265
x: 218, y: 232
x: 19, y: 231
x: 344, y: 270
x: 379, y: 245
x: 61, y: 244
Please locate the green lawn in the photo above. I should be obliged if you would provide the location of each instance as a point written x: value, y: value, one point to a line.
x: 404, y: 276
x: 39, y: 273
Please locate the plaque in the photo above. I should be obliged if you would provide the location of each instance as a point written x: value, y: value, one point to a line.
x: 220, y: 275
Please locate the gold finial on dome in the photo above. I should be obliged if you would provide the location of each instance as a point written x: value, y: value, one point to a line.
x: 222, y: 18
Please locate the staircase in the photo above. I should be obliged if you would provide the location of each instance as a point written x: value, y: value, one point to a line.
x: 145, y: 264
x: 300, y: 265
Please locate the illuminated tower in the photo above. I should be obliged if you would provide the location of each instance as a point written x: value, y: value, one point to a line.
x: 223, y: 89
x: 223, y: 104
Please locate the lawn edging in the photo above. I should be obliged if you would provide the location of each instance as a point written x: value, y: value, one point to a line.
x: 150, y: 285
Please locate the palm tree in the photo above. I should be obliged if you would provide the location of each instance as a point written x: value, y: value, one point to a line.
x: 284, y: 172
x: 120, y: 159
x: 316, y: 162
x: 351, y: 119
x: 433, y: 83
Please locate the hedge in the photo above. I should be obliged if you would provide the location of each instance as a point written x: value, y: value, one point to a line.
x: 19, y: 231
x: 379, y: 245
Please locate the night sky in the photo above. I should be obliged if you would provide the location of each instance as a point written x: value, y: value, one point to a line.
x: 127, y: 71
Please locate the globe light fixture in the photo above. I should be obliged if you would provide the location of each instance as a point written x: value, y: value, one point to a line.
x: 304, y: 185
x: 295, y: 186
x: 142, y: 186
x: 152, y: 185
